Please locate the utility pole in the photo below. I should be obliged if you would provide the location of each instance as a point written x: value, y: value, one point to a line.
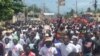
x: 43, y: 6
x: 95, y: 7
x: 60, y: 3
x: 58, y: 7
x: 26, y: 15
x: 76, y: 8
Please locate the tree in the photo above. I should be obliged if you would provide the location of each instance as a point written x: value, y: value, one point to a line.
x: 18, y: 6
x: 9, y: 7
x: 69, y: 14
x: 5, y: 9
x: 72, y: 12
x: 98, y: 10
x: 34, y: 8
x: 89, y: 10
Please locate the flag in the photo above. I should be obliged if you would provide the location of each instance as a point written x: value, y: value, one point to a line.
x: 61, y: 2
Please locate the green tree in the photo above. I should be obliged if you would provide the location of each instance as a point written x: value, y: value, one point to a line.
x: 5, y: 9
x: 98, y: 10
x: 18, y: 6
x: 9, y: 7
x: 89, y: 10
x: 71, y: 12
x: 67, y: 15
x: 34, y: 8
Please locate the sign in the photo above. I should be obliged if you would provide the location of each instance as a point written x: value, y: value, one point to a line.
x: 49, y: 14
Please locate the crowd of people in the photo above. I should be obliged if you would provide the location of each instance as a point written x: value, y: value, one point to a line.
x: 69, y: 38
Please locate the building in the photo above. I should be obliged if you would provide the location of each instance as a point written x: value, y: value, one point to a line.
x: 95, y: 16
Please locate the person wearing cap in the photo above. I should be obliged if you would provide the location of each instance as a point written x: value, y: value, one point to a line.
x: 8, y: 35
x: 7, y: 45
x: 48, y: 49
x: 42, y: 42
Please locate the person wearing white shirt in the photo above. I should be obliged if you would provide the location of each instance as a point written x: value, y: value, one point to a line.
x: 48, y: 49
x: 66, y: 48
x: 8, y: 35
x: 17, y: 48
x: 77, y: 46
x: 7, y: 45
x: 22, y: 39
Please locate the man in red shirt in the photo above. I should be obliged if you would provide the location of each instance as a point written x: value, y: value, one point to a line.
x: 27, y: 52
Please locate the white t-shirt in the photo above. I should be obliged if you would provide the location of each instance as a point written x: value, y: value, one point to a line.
x: 31, y: 45
x: 44, y: 51
x: 66, y: 49
x: 21, y: 41
x: 78, y: 48
x: 57, y: 44
x: 10, y: 37
x: 21, y: 35
x: 16, y: 50
x: 47, y: 27
x: 93, y: 38
x: 80, y: 42
x: 7, y: 47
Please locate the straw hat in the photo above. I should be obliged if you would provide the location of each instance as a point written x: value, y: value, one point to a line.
x: 48, y: 39
x: 4, y: 32
x: 61, y: 33
x: 46, y: 35
x: 9, y: 31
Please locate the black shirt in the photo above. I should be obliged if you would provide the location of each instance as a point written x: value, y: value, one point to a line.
x: 87, y: 45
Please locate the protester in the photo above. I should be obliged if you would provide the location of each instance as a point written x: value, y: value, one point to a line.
x: 22, y: 40
x: 67, y: 48
x: 17, y: 48
x: 48, y: 49
x: 88, y: 45
x: 77, y: 46
x: 1, y: 48
x: 27, y: 51
x: 97, y: 43
x: 75, y: 37
x: 7, y: 45
x: 9, y: 53
x: 7, y: 35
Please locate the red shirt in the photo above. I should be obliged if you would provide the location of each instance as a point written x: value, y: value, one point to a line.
x: 30, y: 54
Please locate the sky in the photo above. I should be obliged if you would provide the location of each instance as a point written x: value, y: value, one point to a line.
x: 69, y: 4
